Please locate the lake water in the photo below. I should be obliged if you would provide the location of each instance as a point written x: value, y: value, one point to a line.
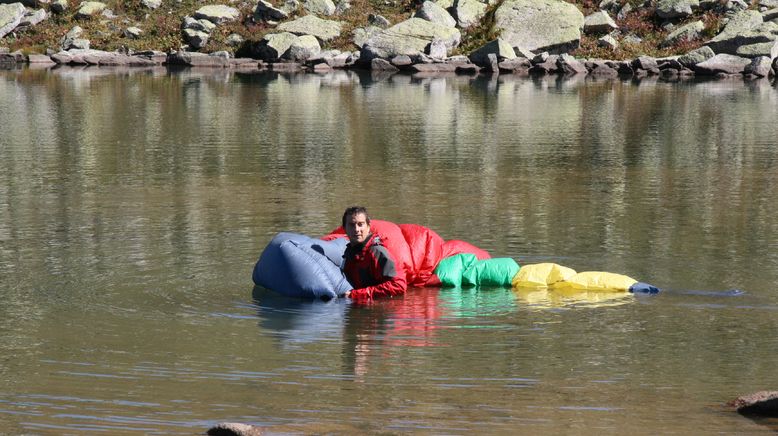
x: 134, y: 203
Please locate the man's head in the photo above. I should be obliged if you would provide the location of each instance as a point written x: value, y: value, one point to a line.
x: 356, y: 223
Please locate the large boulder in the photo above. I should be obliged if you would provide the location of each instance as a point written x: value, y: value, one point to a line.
x: 325, y: 30
x: 10, y: 17
x: 599, y: 22
x: 303, y: 48
x: 671, y: 9
x: 274, y: 45
x: 539, y: 25
x: 361, y: 35
x: 469, y: 12
x: 88, y: 9
x: 430, y: 11
x: 687, y: 32
x: 409, y: 37
x: 696, y: 56
x: 722, y: 64
x: 33, y: 17
x: 746, y: 34
x: 217, y: 14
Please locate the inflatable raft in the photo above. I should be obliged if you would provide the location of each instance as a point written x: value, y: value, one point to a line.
x: 301, y: 266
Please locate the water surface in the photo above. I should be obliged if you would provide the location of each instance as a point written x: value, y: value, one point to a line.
x: 133, y: 204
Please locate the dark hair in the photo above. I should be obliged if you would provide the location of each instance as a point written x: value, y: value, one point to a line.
x: 355, y: 210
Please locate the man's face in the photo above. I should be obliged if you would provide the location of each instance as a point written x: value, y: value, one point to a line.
x: 357, y: 228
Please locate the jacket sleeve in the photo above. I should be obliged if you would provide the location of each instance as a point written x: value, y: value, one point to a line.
x: 394, y: 280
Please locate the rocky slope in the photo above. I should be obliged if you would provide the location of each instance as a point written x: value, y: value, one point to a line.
x: 614, y: 37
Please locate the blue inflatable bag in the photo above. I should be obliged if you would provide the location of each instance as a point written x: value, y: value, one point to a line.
x: 300, y: 266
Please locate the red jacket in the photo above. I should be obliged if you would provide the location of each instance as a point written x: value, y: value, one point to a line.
x: 372, y: 271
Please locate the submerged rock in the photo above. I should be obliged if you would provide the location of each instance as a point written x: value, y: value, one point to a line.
x: 763, y: 403
x: 501, y: 48
x: 234, y: 429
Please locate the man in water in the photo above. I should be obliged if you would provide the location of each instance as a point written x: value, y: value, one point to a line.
x: 369, y: 266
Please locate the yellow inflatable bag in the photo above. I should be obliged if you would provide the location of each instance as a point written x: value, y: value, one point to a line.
x: 596, y: 281
x: 541, y: 275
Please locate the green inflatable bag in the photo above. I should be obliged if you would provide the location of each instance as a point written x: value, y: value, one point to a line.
x: 491, y: 272
x: 450, y: 269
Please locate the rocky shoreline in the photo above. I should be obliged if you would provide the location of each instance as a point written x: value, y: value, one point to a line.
x: 525, y: 42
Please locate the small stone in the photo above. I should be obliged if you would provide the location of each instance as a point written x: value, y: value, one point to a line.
x: 88, y: 9
x: 401, y: 61
x: 151, y: 4
x: 217, y: 14
x: 570, y: 65
x: 234, y: 40
x: 759, y: 67
x: 196, y: 38
x: 133, y: 32
x: 266, y: 11
x: 647, y: 64
x: 379, y: 64
x: 599, y: 22
x: 378, y: 21
x: 609, y: 42
x: 59, y: 6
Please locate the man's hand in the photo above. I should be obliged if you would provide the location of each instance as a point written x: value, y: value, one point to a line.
x: 347, y: 294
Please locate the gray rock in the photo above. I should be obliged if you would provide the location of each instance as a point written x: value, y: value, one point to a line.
x: 379, y: 64
x: 549, y: 66
x: 90, y: 8
x: 602, y: 70
x: 266, y: 11
x: 320, y: 7
x: 234, y: 429
x: 197, y: 39
x: 401, y: 61
x: 303, y: 48
x: 430, y: 11
x: 696, y: 56
x: 437, y: 49
x: 108, y: 13
x: 599, y: 22
x: 410, y: 37
x: 688, y: 32
x: 433, y: 68
x: 66, y: 42
x: 133, y: 32
x: 515, y: 65
x: 764, y: 403
x: 569, y: 65
x: 742, y: 29
x: 217, y: 14
x: 59, y: 6
x: 540, y: 57
x: 501, y: 48
x: 736, y: 5
x: 770, y: 15
x: 722, y: 63
x: 274, y: 45
x: 670, y: 9
x: 234, y: 40
x: 769, y: 49
x: 469, y: 12
x: 196, y: 59
x: 539, y: 25
x: 768, y: 4
x: 759, y: 67
x: 632, y: 39
x: 626, y: 9
x: 362, y: 34
x: 154, y: 56
x: 608, y: 41
x: 33, y: 17
x: 378, y: 21
x: 445, y: 4
x: 342, y: 6
x: 151, y: 4
x: 198, y: 25
x: 647, y: 64
x: 10, y: 17
x: 609, y: 5
x: 325, y: 30
x: 523, y: 52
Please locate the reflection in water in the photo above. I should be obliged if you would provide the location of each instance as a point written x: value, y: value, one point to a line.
x: 133, y: 204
